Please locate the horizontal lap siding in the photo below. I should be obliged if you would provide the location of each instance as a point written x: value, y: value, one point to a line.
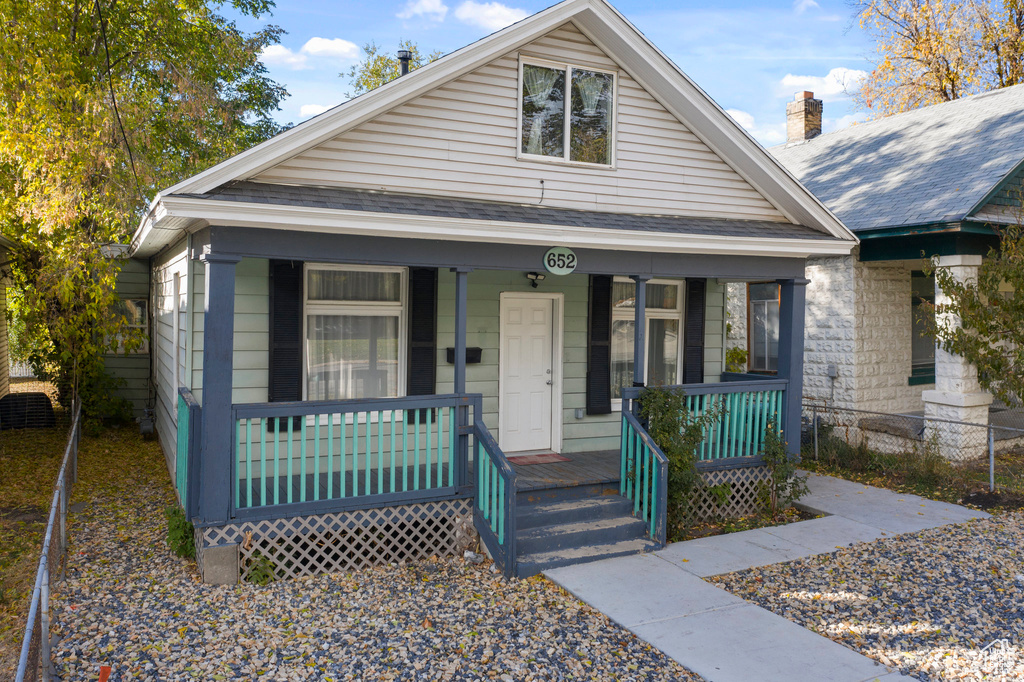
x: 460, y: 140
x: 161, y: 344
x: 714, y: 331
x: 4, y: 361
x: 133, y: 369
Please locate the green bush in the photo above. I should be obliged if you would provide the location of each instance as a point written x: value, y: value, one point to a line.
x: 784, y: 486
x: 180, y: 532
x: 678, y: 434
x: 261, y: 570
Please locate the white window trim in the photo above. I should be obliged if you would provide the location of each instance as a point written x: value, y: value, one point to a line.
x: 679, y: 313
x: 565, y: 160
x: 750, y: 330
x: 367, y: 308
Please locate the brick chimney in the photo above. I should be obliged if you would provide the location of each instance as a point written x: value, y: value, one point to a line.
x: 803, y: 118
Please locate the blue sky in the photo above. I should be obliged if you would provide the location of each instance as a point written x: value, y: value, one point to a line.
x: 751, y: 57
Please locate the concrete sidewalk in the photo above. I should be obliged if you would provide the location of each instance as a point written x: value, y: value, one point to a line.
x: 662, y: 599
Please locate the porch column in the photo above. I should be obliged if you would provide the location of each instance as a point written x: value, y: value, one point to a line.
x: 958, y: 394
x: 792, y: 297
x: 218, y: 348
x: 639, y: 329
x: 461, y: 295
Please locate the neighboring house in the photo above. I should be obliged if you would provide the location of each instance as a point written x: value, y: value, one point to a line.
x: 132, y: 369
x: 360, y: 318
x: 5, y: 361
x: 935, y: 181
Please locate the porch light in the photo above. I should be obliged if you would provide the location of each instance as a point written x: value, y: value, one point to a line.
x: 535, y: 278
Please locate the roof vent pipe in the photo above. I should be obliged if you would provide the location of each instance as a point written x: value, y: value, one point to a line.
x: 403, y: 60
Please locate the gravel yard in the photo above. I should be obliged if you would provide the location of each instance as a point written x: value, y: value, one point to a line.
x: 925, y: 602
x: 130, y: 604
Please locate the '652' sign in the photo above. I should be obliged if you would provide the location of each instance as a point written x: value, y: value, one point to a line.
x: 560, y: 260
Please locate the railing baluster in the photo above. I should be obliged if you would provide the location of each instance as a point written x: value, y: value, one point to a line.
x: 380, y: 451
x: 622, y: 454
x: 440, y: 447
x: 367, y: 490
x: 289, y: 481
x: 393, y: 450
x: 316, y: 458
x: 330, y: 457
x: 428, y: 448
x: 416, y: 452
x: 238, y: 460
x: 248, y: 462
x: 277, y: 461
x: 355, y: 454
x: 453, y: 440
x: 302, y: 461
x: 405, y: 451
x: 500, y: 509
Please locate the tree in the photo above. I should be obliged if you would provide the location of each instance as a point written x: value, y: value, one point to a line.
x: 101, y: 104
x: 982, y: 320
x: 377, y: 67
x: 931, y: 51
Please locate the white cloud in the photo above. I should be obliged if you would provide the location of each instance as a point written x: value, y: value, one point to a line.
x: 331, y: 47
x: 308, y: 110
x: 830, y: 124
x: 493, y: 16
x: 839, y: 81
x: 435, y: 10
x: 767, y: 135
x: 279, y: 55
x: 802, y: 6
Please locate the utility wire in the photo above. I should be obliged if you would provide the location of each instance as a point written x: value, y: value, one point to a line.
x: 113, y: 99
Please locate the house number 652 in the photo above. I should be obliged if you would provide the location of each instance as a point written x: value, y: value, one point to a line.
x: 560, y: 260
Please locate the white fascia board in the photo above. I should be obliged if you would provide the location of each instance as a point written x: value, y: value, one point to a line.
x: 404, y: 226
x: 661, y: 77
x: 370, y: 105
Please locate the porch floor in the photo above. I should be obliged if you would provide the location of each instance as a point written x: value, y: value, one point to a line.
x: 583, y: 468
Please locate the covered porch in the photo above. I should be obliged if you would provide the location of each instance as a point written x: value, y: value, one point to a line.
x: 438, y: 460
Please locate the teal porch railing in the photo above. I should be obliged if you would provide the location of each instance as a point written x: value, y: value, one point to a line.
x: 644, y: 476
x: 494, y: 513
x: 318, y: 456
x: 186, y: 460
x: 748, y: 406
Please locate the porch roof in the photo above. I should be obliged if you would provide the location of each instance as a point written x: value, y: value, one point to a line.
x: 343, y: 199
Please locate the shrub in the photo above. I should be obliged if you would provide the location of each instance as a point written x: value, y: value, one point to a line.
x: 261, y: 569
x: 180, y: 532
x: 784, y: 486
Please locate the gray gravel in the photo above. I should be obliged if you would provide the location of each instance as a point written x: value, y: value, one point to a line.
x: 927, y: 603
x: 130, y: 604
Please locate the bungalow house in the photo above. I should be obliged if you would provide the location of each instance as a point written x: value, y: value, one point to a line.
x: 424, y: 314
x: 935, y: 181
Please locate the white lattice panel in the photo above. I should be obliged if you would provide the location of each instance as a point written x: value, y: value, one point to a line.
x: 309, y: 545
x: 744, y: 493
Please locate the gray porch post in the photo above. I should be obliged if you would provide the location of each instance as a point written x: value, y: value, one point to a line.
x: 218, y: 348
x: 792, y: 296
x: 639, y: 329
x: 461, y: 295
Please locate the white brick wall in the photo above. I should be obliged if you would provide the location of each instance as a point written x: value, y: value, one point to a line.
x: 736, y: 310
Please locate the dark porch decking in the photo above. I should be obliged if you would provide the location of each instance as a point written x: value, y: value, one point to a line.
x: 583, y: 468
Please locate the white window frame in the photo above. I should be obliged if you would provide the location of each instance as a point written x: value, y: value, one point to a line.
x: 365, y: 308
x: 567, y: 67
x: 751, y: 302
x: 629, y: 314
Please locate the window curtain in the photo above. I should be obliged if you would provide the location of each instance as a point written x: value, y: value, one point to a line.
x: 538, y: 82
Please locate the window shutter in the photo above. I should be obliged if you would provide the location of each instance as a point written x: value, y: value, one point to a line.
x: 693, y: 334
x: 599, y: 346
x: 285, y: 380
x: 422, y: 331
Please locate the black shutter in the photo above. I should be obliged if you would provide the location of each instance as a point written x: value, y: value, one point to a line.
x: 693, y: 335
x: 285, y: 331
x: 422, y: 331
x: 599, y: 346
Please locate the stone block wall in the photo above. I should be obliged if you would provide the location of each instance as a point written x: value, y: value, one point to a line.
x: 736, y: 315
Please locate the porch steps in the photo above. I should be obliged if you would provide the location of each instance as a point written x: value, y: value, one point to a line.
x: 575, y: 525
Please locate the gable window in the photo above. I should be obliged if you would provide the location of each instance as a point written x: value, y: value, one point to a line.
x: 355, y: 331
x: 663, y: 317
x: 566, y: 113
x: 922, y: 346
x: 764, y: 326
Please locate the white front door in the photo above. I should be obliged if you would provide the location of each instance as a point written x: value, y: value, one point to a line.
x: 527, y: 376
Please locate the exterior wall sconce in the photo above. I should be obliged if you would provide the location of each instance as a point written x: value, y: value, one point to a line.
x: 535, y: 278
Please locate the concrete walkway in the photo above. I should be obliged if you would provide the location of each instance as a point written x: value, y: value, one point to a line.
x: 662, y: 599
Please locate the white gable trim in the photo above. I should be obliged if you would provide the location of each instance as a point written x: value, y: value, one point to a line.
x: 198, y: 213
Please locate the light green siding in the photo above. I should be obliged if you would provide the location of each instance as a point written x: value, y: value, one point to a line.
x: 4, y: 361
x: 132, y: 369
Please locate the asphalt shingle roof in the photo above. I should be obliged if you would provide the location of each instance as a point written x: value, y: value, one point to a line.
x: 410, y: 204
x: 928, y: 165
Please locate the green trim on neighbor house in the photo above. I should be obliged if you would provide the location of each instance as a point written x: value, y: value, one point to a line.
x: 1003, y: 187
x: 941, y: 241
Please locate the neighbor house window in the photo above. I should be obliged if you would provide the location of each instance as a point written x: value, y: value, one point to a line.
x: 764, y: 327
x: 355, y: 326
x: 135, y: 311
x: 567, y: 113
x: 663, y: 317
x: 922, y: 346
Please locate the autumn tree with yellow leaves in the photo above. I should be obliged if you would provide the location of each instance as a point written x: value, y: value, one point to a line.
x: 931, y: 51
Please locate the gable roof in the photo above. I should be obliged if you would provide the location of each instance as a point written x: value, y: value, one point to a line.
x: 930, y: 165
x: 610, y: 31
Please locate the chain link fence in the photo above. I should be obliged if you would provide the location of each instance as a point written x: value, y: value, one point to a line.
x: 915, y: 445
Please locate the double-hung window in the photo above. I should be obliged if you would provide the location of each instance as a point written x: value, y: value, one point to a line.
x: 566, y: 113
x: 922, y: 346
x: 764, y: 327
x: 355, y: 332
x: 663, y: 316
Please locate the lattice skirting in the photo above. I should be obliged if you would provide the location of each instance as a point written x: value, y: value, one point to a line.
x: 309, y: 545
x: 743, y: 492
